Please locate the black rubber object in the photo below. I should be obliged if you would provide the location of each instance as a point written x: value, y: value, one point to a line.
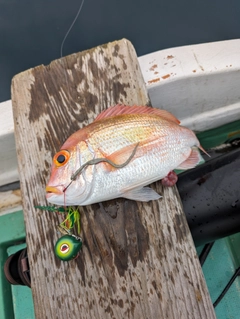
x: 16, y: 269
x: 210, y: 195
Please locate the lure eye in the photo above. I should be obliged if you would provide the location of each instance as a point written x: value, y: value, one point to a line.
x: 67, y: 247
x: 61, y: 158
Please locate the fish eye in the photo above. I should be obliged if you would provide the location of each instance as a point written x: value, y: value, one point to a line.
x: 61, y: 158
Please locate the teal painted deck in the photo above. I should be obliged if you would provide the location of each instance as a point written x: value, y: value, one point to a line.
x: 15, y: 301
x: 219, y: 267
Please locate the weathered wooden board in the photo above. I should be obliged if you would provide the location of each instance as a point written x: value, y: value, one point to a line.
x: 138, y: 260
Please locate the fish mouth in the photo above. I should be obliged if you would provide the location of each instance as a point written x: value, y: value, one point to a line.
x: 50, y: 190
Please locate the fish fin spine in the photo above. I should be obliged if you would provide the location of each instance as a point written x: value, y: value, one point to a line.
x: 203, y: 150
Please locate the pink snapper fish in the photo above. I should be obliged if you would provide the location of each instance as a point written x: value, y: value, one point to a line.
x: 122, y: 151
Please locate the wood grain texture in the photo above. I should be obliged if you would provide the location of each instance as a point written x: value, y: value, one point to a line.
x: 138, y: 260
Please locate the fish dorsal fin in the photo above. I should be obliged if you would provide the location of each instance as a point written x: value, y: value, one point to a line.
x: 120, y: 109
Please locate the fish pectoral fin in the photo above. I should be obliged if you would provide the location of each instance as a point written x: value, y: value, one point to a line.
x: 193, y: 160
x: 141, y: 194
x: 120, y: 157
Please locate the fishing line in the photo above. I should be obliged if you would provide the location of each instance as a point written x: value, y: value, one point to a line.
x: 61, y: 55
x: 102, y: 159
x: 99, y: 160
x: 70, y: 28
x: 65, y: 37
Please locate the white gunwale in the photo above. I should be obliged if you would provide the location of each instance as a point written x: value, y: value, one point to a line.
x: 199, y: 84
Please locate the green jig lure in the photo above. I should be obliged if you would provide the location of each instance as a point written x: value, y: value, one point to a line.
x: 68, y: 246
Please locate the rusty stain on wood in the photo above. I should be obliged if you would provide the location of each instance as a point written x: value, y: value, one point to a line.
x: 138, y: 259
